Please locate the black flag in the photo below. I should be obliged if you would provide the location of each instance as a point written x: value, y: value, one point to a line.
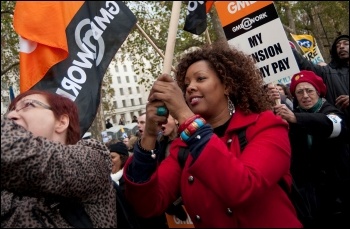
x: 79, y: 39
x: 196, y: 19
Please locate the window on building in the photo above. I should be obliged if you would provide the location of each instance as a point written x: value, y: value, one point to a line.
x: 138, y: 90
x: 124, y: 103
x: 132, y: 102
x: 127, y: 79
x: 119, y: 79
x: 130, y: 91
x: 115, y: 105
x: 121, y: 91
x: 140, y: 101
x: 116, y: 68
x: 132, y: 68
x: 135, y: 79
x: 125, y: 69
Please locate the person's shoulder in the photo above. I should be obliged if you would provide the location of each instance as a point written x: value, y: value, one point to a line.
x: 327, y: 107
x: 93, y: 143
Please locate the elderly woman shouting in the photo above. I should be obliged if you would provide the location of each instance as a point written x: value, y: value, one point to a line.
x: 320, y: 156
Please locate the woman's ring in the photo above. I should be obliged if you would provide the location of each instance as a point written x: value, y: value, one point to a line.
x: 162, y: 111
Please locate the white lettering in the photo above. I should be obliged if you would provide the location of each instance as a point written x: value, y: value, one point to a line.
x: 73, y: 69
x: 105, y: 19
x: 82, y: 56
x: 59, y: 91
x: 96, y: 32
x: 247, y: 22
x: 76, y: 76
x: 192, y: 5
x: 236, y: 6
x: 70, y: 85
x: 113, y: 10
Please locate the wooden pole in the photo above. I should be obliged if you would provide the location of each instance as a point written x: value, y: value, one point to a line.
x: 207, y: 36
x: 169, y: 51
x: 277, y: 101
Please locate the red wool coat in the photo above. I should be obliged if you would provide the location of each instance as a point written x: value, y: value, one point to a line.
x: 224, y: 188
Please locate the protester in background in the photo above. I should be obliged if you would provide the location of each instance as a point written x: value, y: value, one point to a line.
x: 126, y: 217
x: 168, y: 134
x: 108, y: 124
x: 157, y: 221
x: 284, y: 92
x: 217, y: 91
x: 132, y: 142
x: 276, y: 97
x: 45, y: 166
x: 119, y: 155
x: 141, y: 121
x: 134, y: 119
x: 111, y: 141
x: 335, y: 75
x: 320, y: 162
x: 122, y: 121
x: 126, y: 140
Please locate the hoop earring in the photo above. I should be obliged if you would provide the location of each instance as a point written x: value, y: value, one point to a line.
x: 230, y: 106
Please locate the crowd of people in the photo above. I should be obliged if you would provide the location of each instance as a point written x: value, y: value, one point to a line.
x: 296, y: 143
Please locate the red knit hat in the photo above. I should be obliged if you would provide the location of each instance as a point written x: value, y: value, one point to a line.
x: 309, y: 77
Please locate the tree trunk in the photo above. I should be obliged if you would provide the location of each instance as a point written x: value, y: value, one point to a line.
x: 217, y: 25
x: 317, y: 31
x: 98, y: 125
x: 290, y: 17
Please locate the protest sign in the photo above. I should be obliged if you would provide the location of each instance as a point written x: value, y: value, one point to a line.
x: 255, y: 28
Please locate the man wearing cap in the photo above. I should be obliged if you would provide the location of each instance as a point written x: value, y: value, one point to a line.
x: 335, y: 75
x: 320, y: 159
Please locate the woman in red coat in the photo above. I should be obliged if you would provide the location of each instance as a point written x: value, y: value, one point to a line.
x: 217, y: 92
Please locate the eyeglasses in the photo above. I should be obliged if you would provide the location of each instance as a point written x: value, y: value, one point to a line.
x: 28, y: 103
x: 307, y: 90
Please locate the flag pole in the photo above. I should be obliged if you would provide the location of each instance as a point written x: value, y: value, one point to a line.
x: 169, y: 51
x: 277, y: 101
x: 144, y: 34
x: 207, y: 36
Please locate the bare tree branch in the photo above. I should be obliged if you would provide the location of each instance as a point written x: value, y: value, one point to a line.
x: 9, y: 68
x: 7, y: 12
x: 290, y: 30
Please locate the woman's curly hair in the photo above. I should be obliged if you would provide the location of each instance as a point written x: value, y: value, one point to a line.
x: 235, y: 69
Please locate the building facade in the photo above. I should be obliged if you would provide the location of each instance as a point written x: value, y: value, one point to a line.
x: 130, y: 97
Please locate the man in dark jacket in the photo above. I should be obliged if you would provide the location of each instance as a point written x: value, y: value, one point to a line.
x: 335, y: 75
x: 108, y: 124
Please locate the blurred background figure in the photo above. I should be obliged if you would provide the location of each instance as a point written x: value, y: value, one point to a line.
x: 119, y: 154
x: 126, y: 141
x: 168, y: 134
x: 286, y: 96
x: 132, y: 142
x: 134, y: 119
x: 277, y: 94
x: 141, y: 121
x: 108, y: 124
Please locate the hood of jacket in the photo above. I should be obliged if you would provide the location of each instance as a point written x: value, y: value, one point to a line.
x: 335, y: 60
